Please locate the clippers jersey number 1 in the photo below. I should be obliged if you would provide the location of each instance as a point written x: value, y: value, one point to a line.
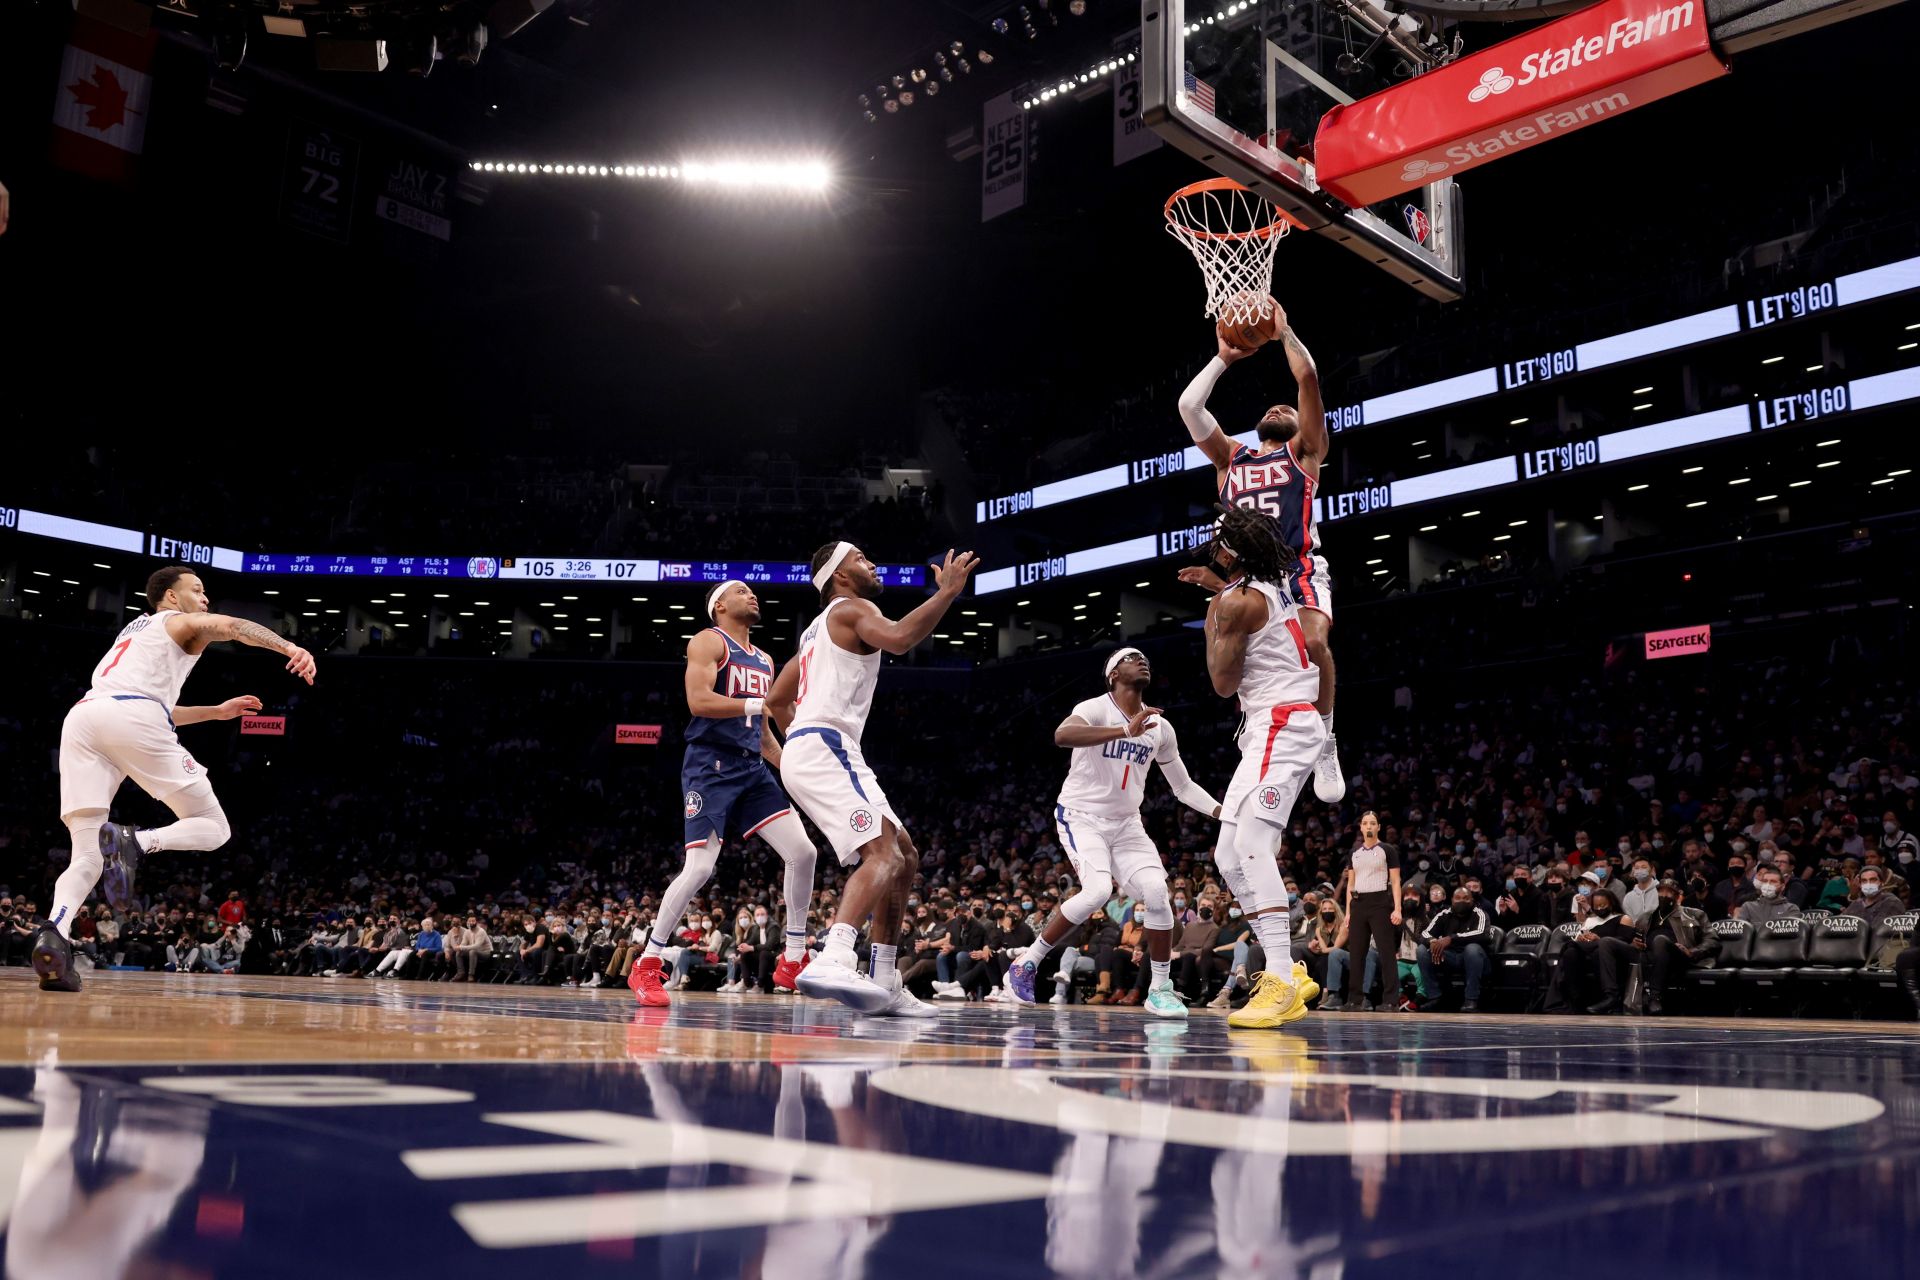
x: 801, y: 697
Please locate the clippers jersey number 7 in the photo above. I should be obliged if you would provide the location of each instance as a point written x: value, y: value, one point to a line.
x: 798, y: 698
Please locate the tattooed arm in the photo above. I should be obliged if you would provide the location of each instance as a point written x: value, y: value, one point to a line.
x: 195, y: 631
x: 1311, y: 443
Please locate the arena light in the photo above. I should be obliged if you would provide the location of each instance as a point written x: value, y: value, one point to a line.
x: 1773, y: 360
x: 1799, y: 484
x: 1766, y: 497
x: 1428, y: 528
x: 1687, y: 471
x: 1692, y: 505
x: 1881, y: 481
x: 1636, y: 488
x: 1904, y: 471
x: 791, y: 175
x: 1824, y: 465
x: 1739, y: 480
x: 1067, y: 84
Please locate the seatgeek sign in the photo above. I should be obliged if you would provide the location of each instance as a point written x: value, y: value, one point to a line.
x: 1554, y: 80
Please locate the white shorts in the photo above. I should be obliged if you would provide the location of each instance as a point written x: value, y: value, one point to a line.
x: 1278, y: 749
x: 108, y: 740
x: 1120, y: 847
x: 825, y: 774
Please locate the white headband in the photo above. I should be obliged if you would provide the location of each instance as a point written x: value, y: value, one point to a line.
x: 1120, y: 656
x: 840, y: 551
x: 713, y: 597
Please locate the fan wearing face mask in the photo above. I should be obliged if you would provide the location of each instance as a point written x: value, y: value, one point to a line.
x: 1768, y: 902
x: 1602, y: 950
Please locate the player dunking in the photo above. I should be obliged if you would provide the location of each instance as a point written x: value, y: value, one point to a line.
x: 1115, y: 739
x: 1256, y: 648
x: 821, y: 701
x: 124, y: 728
x: 1279, y: 479
x: 726, y: 783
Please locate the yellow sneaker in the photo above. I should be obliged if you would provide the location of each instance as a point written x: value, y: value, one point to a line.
x: 1273, y: 1003
x: 1304, y: 983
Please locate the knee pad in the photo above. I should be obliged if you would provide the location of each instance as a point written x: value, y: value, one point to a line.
x: 788, y: 838
x: 84, y: 827
x: 1093, y: 895
x: 1254, y: 857
x: 1152, y: 888
x: 702, y: 858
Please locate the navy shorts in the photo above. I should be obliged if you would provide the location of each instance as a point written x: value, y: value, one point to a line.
x: 728, y: 795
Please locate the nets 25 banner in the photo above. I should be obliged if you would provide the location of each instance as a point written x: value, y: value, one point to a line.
x: 1677, y: 643
x: 636, y: 735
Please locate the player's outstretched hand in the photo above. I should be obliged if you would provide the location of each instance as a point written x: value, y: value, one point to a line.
x: 234, y: 708
x: 1227, y: 352
x: 1201, y: 576
x: 301, y: 663
x: 951, y: 574
x: 1141, y: 723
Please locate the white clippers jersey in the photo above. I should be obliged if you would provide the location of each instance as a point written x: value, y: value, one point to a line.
x: 836, y: 686
x: 144, y: 661
x: 1278, y: 672
x: 1108, y: 781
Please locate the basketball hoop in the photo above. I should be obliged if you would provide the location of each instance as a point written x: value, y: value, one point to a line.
x: 1232, y: 233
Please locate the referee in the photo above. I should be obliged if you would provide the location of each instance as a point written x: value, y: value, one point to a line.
x: 1373, y: 912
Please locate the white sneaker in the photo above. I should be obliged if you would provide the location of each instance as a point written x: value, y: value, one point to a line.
x: 330, y: 973
x: 835, y: 977
x: 902, y: 1003
x: 1328, y: 782
x: 1059, y: 995
x: 1000, y: 995
x: 593, y: 982
x: 949, y: 991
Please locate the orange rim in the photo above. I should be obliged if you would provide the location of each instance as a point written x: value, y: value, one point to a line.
x: 1227, y: 184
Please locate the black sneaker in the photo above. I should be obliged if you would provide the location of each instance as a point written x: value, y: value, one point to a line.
x: 53, y: 961
x: 120, y: 859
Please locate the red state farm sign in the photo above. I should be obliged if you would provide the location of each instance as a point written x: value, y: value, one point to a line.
x: 271, y: 726
x: 1556, y: 79
x: 636, y: 735
x: 1672, y: 644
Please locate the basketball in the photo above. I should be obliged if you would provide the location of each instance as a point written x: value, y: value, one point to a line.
x: 1254, y: 332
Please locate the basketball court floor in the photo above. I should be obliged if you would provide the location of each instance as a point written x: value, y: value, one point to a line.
x: 172, y: 1126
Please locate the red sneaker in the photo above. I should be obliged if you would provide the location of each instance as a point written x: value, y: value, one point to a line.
x: 786, y: 974
x: 647, y: 984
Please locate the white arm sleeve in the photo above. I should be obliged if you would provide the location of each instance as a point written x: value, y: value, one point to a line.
x: 1185, y: 789
x: 1193, y: 401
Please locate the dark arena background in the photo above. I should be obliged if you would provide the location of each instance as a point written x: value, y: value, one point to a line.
x: 465, y: 348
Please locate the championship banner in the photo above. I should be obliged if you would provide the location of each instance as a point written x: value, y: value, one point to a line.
x: 636, y: 735
x: 1679, y: 643
x: 1003, y: 156
x: 267, y: 726
x: 1131, y: 137
x: 1555, y: 79
x: 100, y: 104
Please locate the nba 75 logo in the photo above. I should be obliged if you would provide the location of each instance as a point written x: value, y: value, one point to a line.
x: 694, y: 804
x: 1269, y: 797
x: 861, y: 821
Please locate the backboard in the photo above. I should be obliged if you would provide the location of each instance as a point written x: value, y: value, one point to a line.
x: 1241, y: 85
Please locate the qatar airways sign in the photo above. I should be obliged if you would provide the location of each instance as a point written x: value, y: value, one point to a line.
x: 1556, y: 79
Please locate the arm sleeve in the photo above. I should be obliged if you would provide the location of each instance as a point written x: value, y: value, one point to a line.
x: 1193, y: 401
x: 1185, y: 789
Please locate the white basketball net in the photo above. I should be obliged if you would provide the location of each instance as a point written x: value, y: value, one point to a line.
x: 1232, y: 233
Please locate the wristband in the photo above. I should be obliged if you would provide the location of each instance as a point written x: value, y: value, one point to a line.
x: 755, y: 706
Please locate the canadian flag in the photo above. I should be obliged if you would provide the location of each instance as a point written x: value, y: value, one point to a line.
x: 100, y: 106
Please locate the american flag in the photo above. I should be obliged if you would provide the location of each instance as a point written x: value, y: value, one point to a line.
x: 1199, y: 92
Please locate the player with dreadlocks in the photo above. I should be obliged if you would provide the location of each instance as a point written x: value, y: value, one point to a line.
x: 1256, y: 650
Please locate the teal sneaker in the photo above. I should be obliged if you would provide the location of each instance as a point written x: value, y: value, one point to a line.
x: 1164, y: 1002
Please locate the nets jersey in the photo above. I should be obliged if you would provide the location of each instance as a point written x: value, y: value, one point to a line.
x: 836, y: 686
x: 747, y: 673
x: 1109, y: 780
x: 145, y: 663
x: 1278, y: 671
x: 1276, y: 485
